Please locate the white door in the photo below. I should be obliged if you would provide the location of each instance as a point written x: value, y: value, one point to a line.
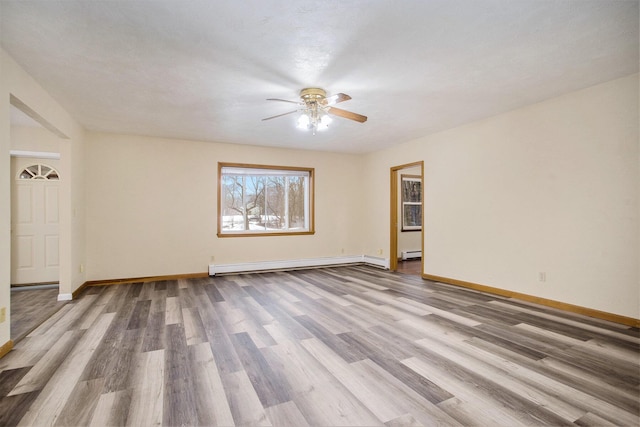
x: 35, y: 224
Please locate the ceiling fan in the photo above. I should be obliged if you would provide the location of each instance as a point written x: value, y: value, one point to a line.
x: 316, y: 107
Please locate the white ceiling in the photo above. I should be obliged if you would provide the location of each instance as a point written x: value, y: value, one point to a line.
x: 202, y: 70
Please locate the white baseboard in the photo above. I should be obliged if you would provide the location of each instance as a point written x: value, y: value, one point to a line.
x: 377, y: 261
x: 65, y: 297
x: 296, y: 263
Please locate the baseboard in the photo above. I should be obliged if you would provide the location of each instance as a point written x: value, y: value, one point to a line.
x: 6, y: 348
x: 376, y: 261
x: 143, y: 279
x: 75, y: 294
x: 247, y: 267
x: 624, y: 320
x: 65, y: 297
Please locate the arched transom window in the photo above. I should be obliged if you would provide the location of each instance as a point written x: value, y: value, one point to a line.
x: 39, y: 171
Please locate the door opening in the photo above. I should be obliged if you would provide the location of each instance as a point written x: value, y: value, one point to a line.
x: 406, y: 213
x: 37, y: 179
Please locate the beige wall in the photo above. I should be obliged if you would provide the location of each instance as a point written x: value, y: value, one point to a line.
x: 14, y: 81
x: 551, y: 188
x: 151, y: 206
x: 24, y: 138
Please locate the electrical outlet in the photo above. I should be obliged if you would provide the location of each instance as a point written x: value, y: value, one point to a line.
x: 81, y: 268
x: 3, y: 314
x: 379, y: 251
x: 542, y: 276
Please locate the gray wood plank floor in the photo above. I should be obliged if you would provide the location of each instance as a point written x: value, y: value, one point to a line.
x: 333, y: 347
x: 30, y: 306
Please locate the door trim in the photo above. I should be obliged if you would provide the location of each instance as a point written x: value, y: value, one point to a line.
x: 393, y: 223
x: 35, y: 154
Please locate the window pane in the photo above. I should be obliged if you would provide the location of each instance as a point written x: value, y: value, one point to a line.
x: 296, y: 202
x: 232, y: 214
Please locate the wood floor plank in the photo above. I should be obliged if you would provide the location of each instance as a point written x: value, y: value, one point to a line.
x: 81, y: 403
x: 119, y: 376
x: 173, y: 313
x: 193, y: 327
x: 112, y: 409
x: 147, y: 396
x: 154, y: 337
x: 270, y: 387
x: 286, y: 414
x: 13, y: 408
x: 244, y: 403
x: 179, y: 406
x: 211, y: 401
x: 140, y: 315
x: 10, y: 378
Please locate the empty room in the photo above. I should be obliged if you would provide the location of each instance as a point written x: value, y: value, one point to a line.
x: 303, y: 213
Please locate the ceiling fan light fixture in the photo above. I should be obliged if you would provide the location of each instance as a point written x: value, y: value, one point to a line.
x: 315, y: 109
x: 303, y: 121
x: 325, y: 121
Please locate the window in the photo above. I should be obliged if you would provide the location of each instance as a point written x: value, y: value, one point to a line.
x: 411, y: 202
x: 256, y: 200
x: 39, y: 171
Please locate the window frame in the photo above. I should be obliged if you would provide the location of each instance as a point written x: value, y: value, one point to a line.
x: 257, y: 233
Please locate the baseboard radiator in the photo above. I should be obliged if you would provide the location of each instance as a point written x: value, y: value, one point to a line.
x: 407, y: 255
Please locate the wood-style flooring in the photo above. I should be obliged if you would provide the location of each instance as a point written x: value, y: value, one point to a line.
x: 31, y: 306
x: 324, y: 347
x: 413, y: 266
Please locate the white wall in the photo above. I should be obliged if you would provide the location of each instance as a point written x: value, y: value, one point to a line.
x: 151, y: 206
x: 14, y: 81
x: 552, y: 188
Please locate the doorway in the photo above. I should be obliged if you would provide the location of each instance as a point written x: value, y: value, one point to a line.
x: 36, y: 178
x: 406, y: 211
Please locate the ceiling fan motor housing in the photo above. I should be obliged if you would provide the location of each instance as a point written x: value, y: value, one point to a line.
x: 312, y: 94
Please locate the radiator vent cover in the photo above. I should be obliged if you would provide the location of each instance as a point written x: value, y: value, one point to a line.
x: 406, y: 255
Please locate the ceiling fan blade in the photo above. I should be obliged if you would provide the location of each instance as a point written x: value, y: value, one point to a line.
x: 347, y: 114
x: 334, y: 99
x: 280, y: 115
x: 283, y: 100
